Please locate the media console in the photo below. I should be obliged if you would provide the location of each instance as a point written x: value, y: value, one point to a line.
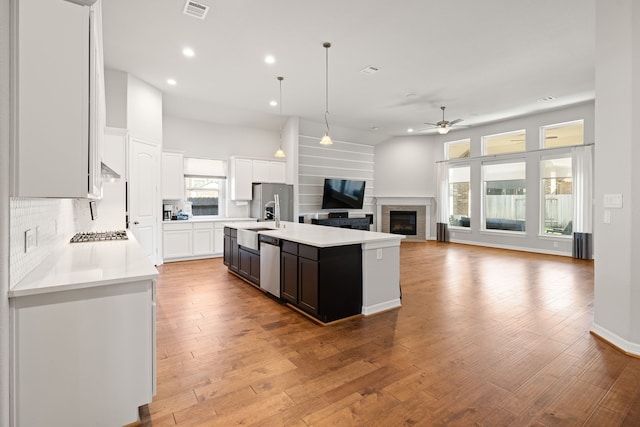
x: 355, y: 223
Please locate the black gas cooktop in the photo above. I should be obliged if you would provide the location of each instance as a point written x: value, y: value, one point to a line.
x: 99, y: 236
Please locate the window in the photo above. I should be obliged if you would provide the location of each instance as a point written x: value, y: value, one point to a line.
x: 562, y: 134
x: 459, y: 197
x: 510, y: 142
x: 205, y: 195
x: 457, y: 149
x: 504, y: 196
x: 204, y: 181
x: 557, y: 196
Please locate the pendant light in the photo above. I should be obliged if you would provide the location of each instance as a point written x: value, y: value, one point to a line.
x: 280, y: 152
x: 326, y: 139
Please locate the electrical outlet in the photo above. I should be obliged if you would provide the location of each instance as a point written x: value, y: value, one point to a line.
x: 378, y: 253
x: 30, y: 241
x: 555, y: 244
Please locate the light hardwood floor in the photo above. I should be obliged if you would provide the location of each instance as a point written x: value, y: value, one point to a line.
x: 484, y: 337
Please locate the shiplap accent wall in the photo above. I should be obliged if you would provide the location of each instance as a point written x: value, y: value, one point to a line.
x: 343, y: 160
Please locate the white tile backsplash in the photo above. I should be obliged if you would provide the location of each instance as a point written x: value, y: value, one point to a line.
x: 57, y: 220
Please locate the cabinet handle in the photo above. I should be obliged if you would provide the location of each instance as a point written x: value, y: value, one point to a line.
x: 135, y: 223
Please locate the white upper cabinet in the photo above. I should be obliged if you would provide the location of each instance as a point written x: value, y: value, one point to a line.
x: 172, y: 176
x: 260, y: 171
x: 59, y: 106
x: 243, y: 172
x: 277, y: 172
x: 269, y: 171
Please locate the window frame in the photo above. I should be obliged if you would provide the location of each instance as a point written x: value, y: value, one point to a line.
x: 542, y: 200
x: 483, y: 199
x: 222, y: 184
x: 459, y: 166
x: 543, y: 137
x: 447, y: 148
x: 501, y: 134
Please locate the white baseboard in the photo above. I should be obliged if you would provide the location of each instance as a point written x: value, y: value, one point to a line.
x: 630, y: 348
x: 383, y: 306
x: 513, y: 248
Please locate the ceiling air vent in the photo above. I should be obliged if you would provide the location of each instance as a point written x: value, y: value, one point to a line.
x: 195, y: 9
x: 369, y: 70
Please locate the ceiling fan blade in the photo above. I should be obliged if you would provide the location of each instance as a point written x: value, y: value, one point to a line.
x: 453, y: 122
x: 432, y: 124
x: 423, y: 129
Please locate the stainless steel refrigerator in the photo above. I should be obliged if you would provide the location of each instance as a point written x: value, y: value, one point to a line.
x: 264, y: 193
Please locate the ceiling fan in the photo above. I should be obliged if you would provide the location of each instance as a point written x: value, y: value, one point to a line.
x: 443, y: 125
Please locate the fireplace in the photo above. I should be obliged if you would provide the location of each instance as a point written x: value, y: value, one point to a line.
x: 403, y: 222
x: 414, y: 211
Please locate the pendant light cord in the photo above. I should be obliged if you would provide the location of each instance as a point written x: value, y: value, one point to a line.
x: 326, y: 111
x: 280, y: 79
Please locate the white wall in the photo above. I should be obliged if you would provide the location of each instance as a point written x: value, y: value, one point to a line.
x: 217, y: 141
x: 405, y: 166
x: 617, y: 243
x: 5, y: 173
x: 116, y: 98
x: 144, y: 110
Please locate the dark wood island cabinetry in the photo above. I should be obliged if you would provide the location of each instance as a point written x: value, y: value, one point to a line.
x: 323, y: 282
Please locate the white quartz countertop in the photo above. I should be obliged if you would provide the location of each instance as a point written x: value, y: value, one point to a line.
x: 85, y: 265
x: 319, y: 235
x: 207, y: 219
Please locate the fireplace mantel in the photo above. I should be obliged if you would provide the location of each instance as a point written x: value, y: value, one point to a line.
x: 422, y: 204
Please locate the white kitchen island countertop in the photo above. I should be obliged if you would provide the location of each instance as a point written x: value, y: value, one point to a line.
x: 85, y: 265
x: 319, y: 235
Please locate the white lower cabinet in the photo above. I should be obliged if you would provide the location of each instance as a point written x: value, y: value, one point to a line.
x: 84, y: 357
x: 177, y: 240
x: 183, y: 240
x: 203, y: 242
x: 218, y: 237
x: 188, y: 240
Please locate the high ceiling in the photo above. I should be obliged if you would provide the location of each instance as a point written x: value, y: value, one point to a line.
x: 483, y: 60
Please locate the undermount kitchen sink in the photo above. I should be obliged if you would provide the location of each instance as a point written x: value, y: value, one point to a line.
x: 248, y: 237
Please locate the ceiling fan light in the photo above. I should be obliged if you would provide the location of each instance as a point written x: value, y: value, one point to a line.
x: 443, y: 130
x: 326, y: 140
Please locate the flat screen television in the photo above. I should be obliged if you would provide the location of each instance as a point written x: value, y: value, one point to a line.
x: 342, y: 194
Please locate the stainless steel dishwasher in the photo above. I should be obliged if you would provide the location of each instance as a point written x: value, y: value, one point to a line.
x: 270, y: 264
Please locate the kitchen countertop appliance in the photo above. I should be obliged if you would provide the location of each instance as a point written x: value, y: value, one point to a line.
x: 264, y: 193
x: 167, y: 211
x: 270, y: 264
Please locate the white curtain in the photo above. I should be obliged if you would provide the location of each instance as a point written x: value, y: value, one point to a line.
x: 582, y: 170
x: 442, y: 178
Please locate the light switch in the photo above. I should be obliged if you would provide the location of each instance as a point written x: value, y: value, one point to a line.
x: 607, y: 217
x: 30, y: 241
x: 613, y: 201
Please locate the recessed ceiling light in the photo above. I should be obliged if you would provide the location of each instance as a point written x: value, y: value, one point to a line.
x: 269, y: 59
x: 172, y: 82
x: 273, y: 103
x: 410, y: 130
x: 188, y: 52
x: 375, y: 128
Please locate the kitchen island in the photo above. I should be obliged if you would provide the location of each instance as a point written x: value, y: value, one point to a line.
x: 329, y: 273
x: 83, y: 336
